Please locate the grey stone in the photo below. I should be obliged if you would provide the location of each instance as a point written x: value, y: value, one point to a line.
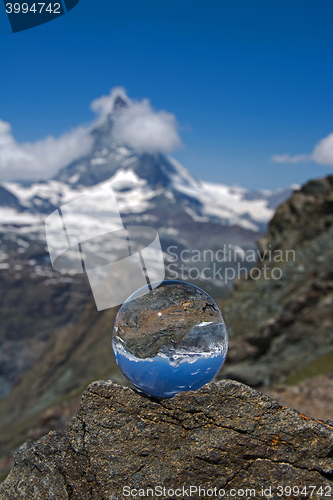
x: 224, y: 436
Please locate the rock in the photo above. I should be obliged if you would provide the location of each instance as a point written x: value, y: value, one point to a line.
x: 308, y: 213
x: 224, y: 436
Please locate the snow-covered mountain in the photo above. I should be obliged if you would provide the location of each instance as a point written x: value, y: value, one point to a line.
x: 202, y: 201
x: 151, y: 189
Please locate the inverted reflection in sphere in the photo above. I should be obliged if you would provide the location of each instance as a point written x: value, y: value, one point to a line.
x: 169, y: 339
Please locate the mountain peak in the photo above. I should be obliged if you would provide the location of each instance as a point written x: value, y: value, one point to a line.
x: 119, y: 104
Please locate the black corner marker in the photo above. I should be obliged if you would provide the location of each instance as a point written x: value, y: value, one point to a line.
x: 26, y: 14
x: 70, y: 4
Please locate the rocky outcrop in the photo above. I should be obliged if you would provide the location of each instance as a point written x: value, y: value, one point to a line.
x: 225, y: 436
x: 278, y: 327
x: 305, y: 215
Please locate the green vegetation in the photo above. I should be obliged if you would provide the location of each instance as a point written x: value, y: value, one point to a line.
x: 320, y: 366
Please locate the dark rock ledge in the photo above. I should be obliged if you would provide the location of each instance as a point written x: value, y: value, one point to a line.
x: 225, y: 435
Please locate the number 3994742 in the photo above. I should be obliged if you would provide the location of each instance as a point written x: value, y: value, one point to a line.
x: 36, y: 8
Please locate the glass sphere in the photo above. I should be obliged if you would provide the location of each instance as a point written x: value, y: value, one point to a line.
x: 169, y: 339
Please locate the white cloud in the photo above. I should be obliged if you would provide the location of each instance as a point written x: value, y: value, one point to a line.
x: 321, y: 154
x: 141, y: 127
x: 40, y: 159
x: 137, y: 125
x: 287, y: 158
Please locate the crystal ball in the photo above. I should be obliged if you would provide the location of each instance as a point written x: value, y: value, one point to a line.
x: 169, y: 339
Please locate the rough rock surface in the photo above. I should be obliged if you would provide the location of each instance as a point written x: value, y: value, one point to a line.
x: 224, y: 436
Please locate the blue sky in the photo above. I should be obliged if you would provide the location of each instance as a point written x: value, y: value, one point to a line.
x: 245, y: 80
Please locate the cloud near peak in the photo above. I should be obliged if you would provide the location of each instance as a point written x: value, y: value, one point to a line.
x: 142, y: 128
x: 321, y: 154
x: 136, y: 124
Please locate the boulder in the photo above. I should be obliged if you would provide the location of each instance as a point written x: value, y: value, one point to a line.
x: 225, y: 438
